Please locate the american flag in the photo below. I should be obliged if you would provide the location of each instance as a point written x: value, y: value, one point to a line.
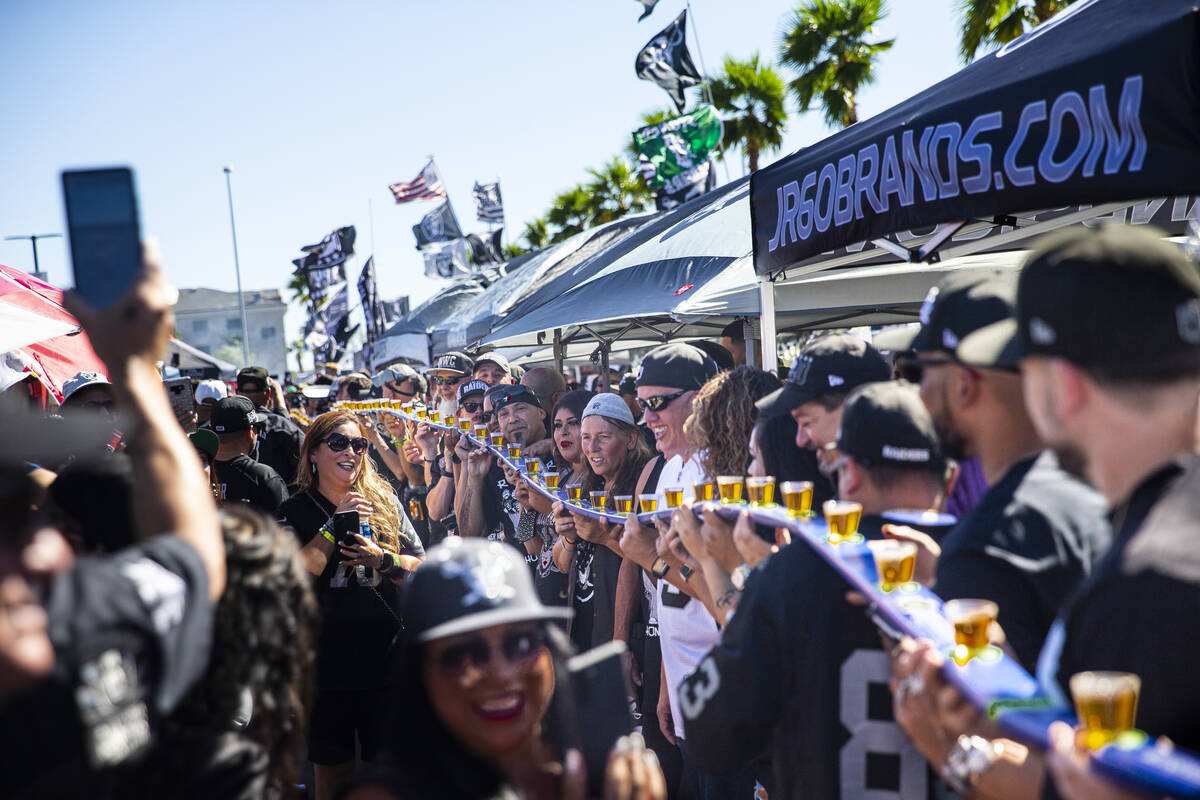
x: 426, y: 186
x: 489, y: 207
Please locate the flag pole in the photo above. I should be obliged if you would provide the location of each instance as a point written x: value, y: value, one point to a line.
x: 449, y: 204
x: 371, y: 223
x: 704, y: 69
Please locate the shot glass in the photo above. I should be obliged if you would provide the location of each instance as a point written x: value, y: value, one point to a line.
x: 647, y: 502
x: 894, y: 561
x: 1106, y: 704
x: 797, y: 497
x: 761, y: 490
x: 970, y: 618
x: 674, y: 496
x: 623, y: 503
x: 842, y: 518
x: 730, y: 487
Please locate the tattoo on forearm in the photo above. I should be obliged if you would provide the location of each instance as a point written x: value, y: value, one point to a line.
x: 726, y: 600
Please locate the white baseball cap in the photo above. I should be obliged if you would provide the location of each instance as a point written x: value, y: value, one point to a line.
x: 82, y: 380
x: 211, y: 390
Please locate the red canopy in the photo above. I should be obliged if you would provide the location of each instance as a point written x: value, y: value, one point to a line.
x: 52, y: 360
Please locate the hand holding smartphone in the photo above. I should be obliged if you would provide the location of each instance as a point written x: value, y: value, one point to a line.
x: 105, y: 234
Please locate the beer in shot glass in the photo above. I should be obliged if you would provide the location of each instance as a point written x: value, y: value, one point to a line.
x: 895, y: 562
x: 533, y: 466
x: 971, y: 618
x: 674, y: 496
x: 550, y: 479
x: 497, y: 439
x: 574, y: 492
x: 623, y: 503
x: 761, y: 489
x: 703, y: 490
x: 730, y: 487
x: 797, y: 497
x: 599, y: 500
x: 842, y: 518
x: 1106, y: 704
x: 647, y: 502
x: 514, y: 450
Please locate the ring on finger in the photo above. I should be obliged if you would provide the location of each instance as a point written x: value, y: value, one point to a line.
x: 910, y: 685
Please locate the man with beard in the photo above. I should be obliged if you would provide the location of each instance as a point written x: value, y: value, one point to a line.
x: 1037, y: 530
x: 447, y: 372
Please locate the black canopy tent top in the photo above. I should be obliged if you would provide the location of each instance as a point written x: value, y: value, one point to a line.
x: 1096, y: 105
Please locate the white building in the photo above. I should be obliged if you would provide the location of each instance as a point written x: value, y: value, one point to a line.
x: 210, y: 320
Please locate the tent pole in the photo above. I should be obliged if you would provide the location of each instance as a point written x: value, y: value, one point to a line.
x: 749, y: 336
x: 766, y: 295
x: 558, y: 350
x: 603, y: 365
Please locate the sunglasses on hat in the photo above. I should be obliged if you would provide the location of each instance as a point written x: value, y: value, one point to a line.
x: 660, y: 401
x: 519, y: 648
x: 337, y: 442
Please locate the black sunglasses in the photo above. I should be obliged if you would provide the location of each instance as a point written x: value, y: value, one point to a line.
x: 453, y: 381
x: 912, y: 369
x: 471, y: 407
x: 660, y: 401
x: 518, y: 648
x: 337, y: 442
x: 396, y: 390
x: 486, y: 417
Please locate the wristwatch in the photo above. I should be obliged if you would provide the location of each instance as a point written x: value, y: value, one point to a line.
x: 686, y: 572
x: 970, y: 757
x: 659, y: 568
x: 740, y: 575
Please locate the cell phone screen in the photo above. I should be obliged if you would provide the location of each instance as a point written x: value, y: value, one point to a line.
x: 102, y: 220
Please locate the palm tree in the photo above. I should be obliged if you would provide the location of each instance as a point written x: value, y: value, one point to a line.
x: 570, y: 212
x: 615, y: 190
x: 825, y: 43
x: 298, y: 286
x: 994, y: 22
x: 537, y: 233
x: 753, y: 94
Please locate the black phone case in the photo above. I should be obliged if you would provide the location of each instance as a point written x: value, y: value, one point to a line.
x: 345, y: 526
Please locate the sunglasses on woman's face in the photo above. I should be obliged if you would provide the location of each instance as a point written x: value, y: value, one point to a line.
x: 518, y: 648
x: 471, y: 407
x: 452, y: 381
x: 660, y: 401
x: 337, y: 442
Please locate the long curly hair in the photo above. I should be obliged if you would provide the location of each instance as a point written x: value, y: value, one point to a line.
x: 264, y: 634
x: 626, y: 479
x: 722, y: 417
x: 385, y: 518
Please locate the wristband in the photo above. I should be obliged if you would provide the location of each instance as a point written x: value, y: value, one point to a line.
x: 329, y: 536
x: 565, y: 542
x: 388, y: 563
x: 659, y: 568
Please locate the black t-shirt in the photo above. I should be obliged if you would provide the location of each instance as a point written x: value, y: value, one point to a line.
x: 800, y: 669
x: 1025, y: 546
x: 131, y: 634
x: 279, y: 441
x: 244, y: 480
x: 358, y: 620
x: 1137, y: 611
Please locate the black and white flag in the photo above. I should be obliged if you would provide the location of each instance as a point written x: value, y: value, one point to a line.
x: 489, y: 207
x: 485, y: 247
x: 394, y: 310
x: 331, y: 251
x: 372, y: 308
x: 685, y: 186
x: 315, y: 335
x: 438, y: 225
x: 450, y: 260
x: 647, y: 8
x: 665, y: 60
x: 319, y: 280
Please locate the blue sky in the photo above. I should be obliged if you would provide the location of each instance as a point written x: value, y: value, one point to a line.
x: 318, y: 106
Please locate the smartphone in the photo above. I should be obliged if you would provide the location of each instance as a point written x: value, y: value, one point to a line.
x: 345, y: 527
x: 600, y: 690
x: 106, y: 240
x: 179, y: 390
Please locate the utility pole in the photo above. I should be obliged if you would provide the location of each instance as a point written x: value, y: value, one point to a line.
x: 237, y: 268
x: 33, y: 239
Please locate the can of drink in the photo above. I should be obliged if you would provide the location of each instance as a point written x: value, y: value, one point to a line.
x: 364, y: 530
x: 414, y: 510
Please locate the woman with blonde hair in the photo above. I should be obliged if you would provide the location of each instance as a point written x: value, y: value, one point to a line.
x: 355, y: 585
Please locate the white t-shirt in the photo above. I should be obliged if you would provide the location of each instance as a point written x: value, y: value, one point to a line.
x: 685, y: 628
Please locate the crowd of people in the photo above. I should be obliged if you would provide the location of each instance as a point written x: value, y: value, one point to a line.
x: 182, y: 613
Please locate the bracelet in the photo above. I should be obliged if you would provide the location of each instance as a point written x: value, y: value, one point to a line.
x: 565, y: 542
x: 686, y: 572
x: 388, y: 563
x: 659, y: 568
x: 329, y: 536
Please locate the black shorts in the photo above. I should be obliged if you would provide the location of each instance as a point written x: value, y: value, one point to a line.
x: 337, y: 715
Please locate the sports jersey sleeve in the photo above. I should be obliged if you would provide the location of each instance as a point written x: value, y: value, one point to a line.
x: 730, y: 703
x: 274, y: 491
x: 410, y: 543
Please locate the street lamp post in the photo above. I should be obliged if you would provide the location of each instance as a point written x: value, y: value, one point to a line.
x: 237, y: 268
x: 33, y: 239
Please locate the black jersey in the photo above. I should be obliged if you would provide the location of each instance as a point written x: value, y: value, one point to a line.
x: 1137, y: 610
x: 359, y: 618
x: 279, y: 442
x: 131, y: 634
x: 1025, y: 546
x: 803, y: 671
x: 243, y: 480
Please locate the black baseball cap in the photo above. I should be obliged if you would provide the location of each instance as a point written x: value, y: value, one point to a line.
x: 252, y: 379
x: 233, y: 415
x: 507, y: 394
x: 717, y: 352
x: 956, y: 308
x: 628, y: 385
x: 1112, y: 298
x: 677, y: 365
x: 465, y: 584
x: 468, y: 388
x: 494, y: 358
x: 451, y: 364
x: 833, y: 364
x: 886, y: 424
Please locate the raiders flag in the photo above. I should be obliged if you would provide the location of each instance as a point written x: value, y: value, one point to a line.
x: 647, y: 8
x: 678, y: 145
x: 449, y: 260
x: 372, y: 308
x: 439, y: 225
x: 665, y: 60
x: 686, y: 186
x: 485, y: 247
x: 331, y: 251
x: 489, y: 207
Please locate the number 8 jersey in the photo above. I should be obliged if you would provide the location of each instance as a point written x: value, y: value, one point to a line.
x: 802, y: 672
